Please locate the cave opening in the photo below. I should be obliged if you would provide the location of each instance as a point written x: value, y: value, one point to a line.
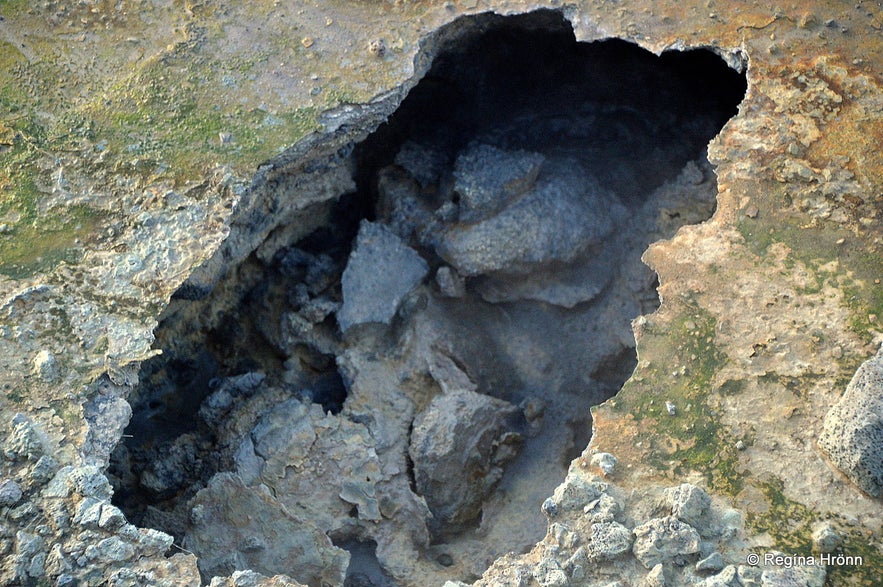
x: 385, y: 390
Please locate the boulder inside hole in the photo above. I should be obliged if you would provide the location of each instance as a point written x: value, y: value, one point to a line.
x: 410, y: 364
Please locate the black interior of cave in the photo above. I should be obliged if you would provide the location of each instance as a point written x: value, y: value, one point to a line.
x: 632, y: 118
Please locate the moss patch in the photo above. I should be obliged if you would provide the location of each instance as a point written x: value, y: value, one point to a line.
x: 816, y: 245
x: 790, y: 525
x: 691, y: 439
x: 186, y: 127
x: 788, y: 522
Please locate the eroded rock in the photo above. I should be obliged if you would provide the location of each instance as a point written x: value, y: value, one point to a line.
x: 380, y: 272
x: 240, y: 528
x: 459, y: 446
x: 662, y: 540
x: 852, y: 436
x: 487, y: 179
x: 561, y: 216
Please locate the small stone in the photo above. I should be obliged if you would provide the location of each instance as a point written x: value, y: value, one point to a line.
x: 307, y: 42
x: 377, y: 47
x: 714, y: 562
x: 555, y: 578
x: 603, y: 509
x: 605, y: 461
x: 88, y: 512
x: 153, y: 541
x: 111, y: 518
x: 670, y: 408
x: 575, y: 493
x: 43, y: 469
x: 825, y: 538
x: 664, y: 539
x: 110, y: 550
x: 45, y: 365
x: 550, y: 508
x: 609, y: 540
x: 740, y: 445
x: 450, y: 284
x: 10, y: 493
x: 689, y: 503
x: 751, y: 212
x: 728, y: 577
x: 655, y: 578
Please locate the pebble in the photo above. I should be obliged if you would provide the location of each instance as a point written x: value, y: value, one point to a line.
x: 605, y: 461
x: 10, y: 492
x: 825, y: 538
x: 713, y: 562
x: 670, y: 408
x: 377, y: 47
x: 45, y: 365
x: 450, y: 284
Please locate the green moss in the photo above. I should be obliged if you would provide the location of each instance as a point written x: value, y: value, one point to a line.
x: 790, y: 525
x: 788, y: 522
x: 685, y: 361
x: 865, y: 575
x: 37, y: 242
x: 815, y: 246
x: 189, y: 126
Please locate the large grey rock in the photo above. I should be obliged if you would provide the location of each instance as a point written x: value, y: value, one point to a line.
x: 380, y: 272
x: 609, y: 540
x: 559, y: 285
x: 690, y: 504
x: 852, y: 436
x: 459, y: 446
x: 487, y: 178
x: 238, y: 528
x: 10, y: 493
x: 566, y: 212
x: 664, y: 539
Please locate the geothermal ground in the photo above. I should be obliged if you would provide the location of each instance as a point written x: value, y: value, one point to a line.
x: 408, y: 294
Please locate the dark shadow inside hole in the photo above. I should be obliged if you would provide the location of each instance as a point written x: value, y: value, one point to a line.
x: 630, y: 122
x: 364, y: 569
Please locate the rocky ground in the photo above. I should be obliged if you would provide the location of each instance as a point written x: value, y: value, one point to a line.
x: 263, y: 315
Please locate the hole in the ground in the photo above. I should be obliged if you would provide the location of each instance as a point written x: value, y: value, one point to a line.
x: 364, y: 570
x: 406, y: 363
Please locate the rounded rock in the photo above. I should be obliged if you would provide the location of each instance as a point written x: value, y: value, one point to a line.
x: 10, y: 492
x: 852, y: 435
x: 825, y: 538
